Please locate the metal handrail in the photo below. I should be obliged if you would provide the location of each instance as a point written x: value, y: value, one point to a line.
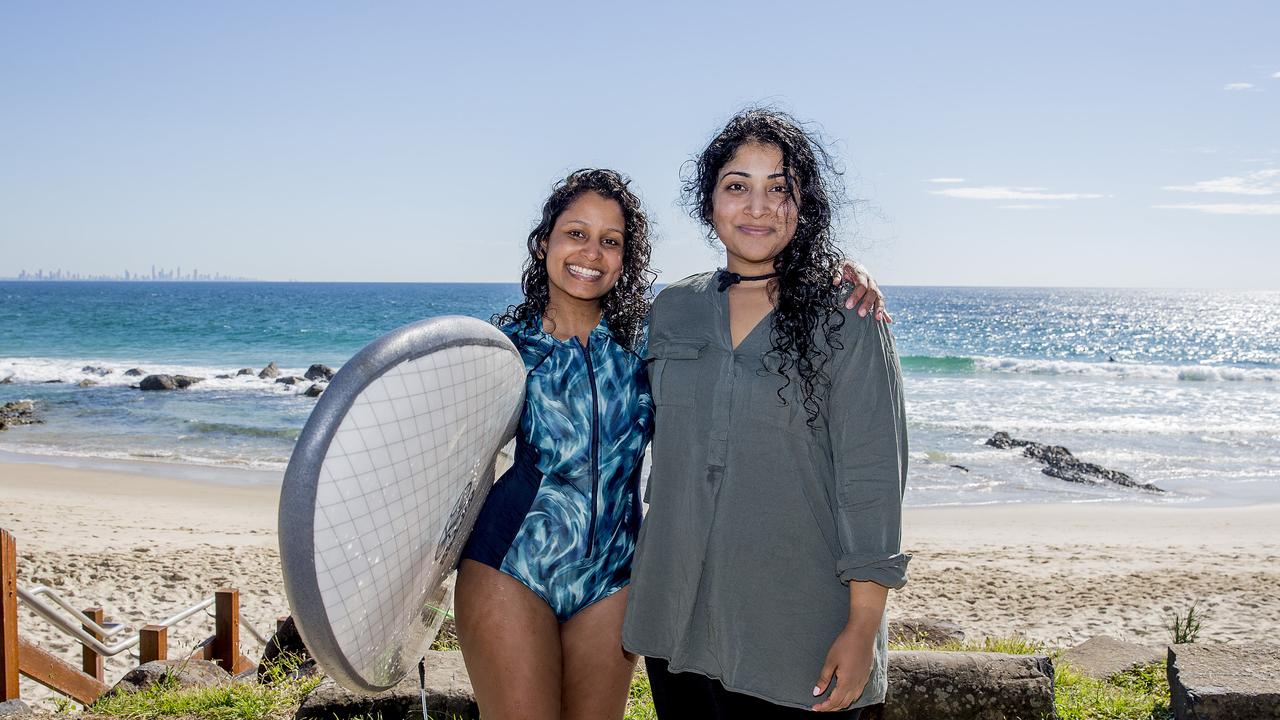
x: 32, y: 598
x: 107, y: 631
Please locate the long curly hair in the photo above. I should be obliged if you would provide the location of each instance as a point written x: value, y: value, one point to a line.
x: 804, y: 297
x: 626, y: 305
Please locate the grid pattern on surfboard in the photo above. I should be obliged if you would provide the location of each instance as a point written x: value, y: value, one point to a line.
x: 411, y: 443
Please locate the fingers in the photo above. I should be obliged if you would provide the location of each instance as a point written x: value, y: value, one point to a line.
x: 840, y: 699
x: 825, y: 677
x: 869, y: 304
x: 857, y: 294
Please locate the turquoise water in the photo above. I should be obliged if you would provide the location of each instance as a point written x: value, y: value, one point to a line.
x: 1178, y: 388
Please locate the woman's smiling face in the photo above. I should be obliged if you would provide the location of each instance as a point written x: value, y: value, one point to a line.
x: 584, y: 249
x: 752, y: 209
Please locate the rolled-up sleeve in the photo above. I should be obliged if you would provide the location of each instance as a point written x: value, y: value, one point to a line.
x: 867, y: 421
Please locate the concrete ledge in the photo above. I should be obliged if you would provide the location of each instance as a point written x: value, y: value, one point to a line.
x: 1225, y: 682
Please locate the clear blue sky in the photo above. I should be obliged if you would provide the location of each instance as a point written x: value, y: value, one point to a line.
x: 1097, y: 143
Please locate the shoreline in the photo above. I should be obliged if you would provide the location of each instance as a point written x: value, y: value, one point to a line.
x: 145, y: 545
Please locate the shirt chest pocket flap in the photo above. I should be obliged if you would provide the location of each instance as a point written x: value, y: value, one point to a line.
x: 673, y: 370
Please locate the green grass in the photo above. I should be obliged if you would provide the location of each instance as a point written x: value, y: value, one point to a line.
x: 1139, y: 694
x: 279, y: 697
x: 1185, y: 627
x: 1013, y: 645
x: 640, y: 698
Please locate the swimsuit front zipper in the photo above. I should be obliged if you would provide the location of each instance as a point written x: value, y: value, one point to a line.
x: 595, y: 447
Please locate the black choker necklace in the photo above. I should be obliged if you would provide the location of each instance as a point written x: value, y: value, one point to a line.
x: 727, y: 278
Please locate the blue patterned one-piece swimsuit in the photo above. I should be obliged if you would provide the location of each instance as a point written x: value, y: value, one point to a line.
x: 564, y: 519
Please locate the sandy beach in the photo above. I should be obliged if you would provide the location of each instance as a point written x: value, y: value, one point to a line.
x: 145, y: 545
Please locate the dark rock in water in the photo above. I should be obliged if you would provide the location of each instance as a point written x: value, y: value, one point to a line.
x: 449, y: 694
x: 1102, y: 656
x: 221, y: 377
x: 286, y: 656
x: 186, y: 381
x: 87, y: 383
x: 290, y: 380
x: 269, y: 371
x: 314, y: 390
x: 1065, y: 466
x: 158, y: 382
x: 51, y: 382
x: 185, y: 673
x: 134, y: 372
x: 1236, y: 681
x: 924, y: 631
x: 959, y: 467
x: 94, y: 370
x: 244, y: 371
x: 8, y: 380
x: 319, y: 372
x: 968, y: 686
x: 18, y: 412
x: 13, y: 709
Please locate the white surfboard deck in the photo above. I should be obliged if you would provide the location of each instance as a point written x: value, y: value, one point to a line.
x: 383, y: 487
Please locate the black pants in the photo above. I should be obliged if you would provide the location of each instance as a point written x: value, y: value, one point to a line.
x: 692, y: 696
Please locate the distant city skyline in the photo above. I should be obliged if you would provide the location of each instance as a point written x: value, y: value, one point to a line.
x: 1088, y: 144
x: 156, y: 274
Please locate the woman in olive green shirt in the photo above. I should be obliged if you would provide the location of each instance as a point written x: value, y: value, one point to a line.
x: 779, y: 459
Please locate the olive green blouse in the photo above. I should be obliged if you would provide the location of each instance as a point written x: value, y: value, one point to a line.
x: 757, y: 521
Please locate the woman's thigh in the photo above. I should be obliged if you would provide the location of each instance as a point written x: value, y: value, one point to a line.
x: 597, y: 671
x: 510, y: 642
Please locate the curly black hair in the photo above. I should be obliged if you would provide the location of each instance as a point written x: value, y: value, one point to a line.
x: 626, y: 305
x: 803, y: 294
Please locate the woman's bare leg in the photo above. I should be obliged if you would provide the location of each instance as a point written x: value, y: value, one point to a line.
x: 597, y: 671
x: 511, y: 644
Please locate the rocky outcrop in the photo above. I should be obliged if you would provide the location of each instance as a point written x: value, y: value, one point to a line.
x: 158, y: 382
x: 1225, y: 682
x: 87, y: 383
x: 96, y: 370
x: 168, y: 382
x: 1102, y: 656
x: 290, y: 380
x: 968, y: 686
x: 924, y: 631
x: 1060, y: 463
x: 8, y: 380
x: 134, y: 372
x: 449, y: 694
x: 244, y: 371
x: 314, y: 391
x: 319, y: 372
x: 186, y: 673
x: 270, y: 371
x: 286, y: 654
x: 18, y: 412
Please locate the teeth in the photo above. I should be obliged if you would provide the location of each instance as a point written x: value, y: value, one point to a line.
x: 585, y: 271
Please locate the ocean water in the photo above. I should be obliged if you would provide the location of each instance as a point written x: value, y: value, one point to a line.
x: 1180, y: 389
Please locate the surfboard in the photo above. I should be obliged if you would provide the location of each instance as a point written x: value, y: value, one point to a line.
x: 383, y: 487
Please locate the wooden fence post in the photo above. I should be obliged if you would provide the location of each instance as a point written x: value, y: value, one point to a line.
x: 90, y: 660
x: 8, y: 617
x: 153, y: 644
x: 226, y: 628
